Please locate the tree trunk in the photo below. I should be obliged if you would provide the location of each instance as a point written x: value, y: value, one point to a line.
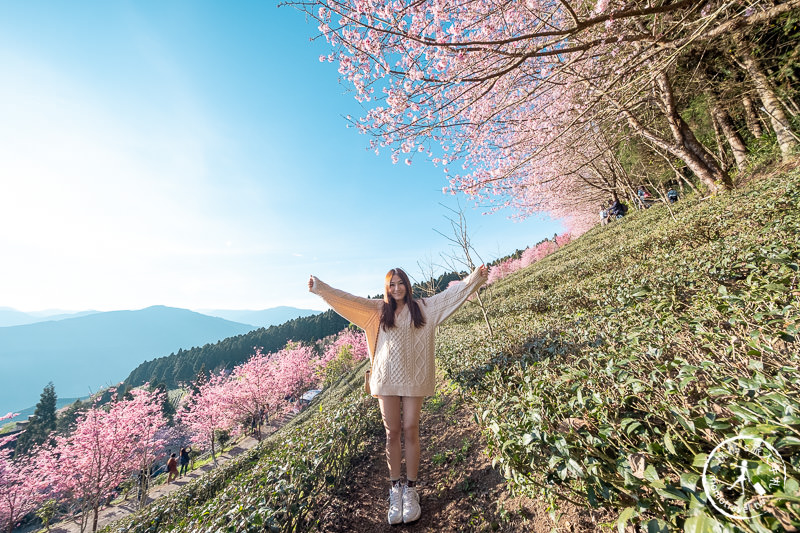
x: 772, y: 105
x: 735, y: 140
x: 83, y: 522
x: 694, y: 163
x: 751, y: 115
x: 686, y: 146
x: 95, y: 516
x: 722, y: 155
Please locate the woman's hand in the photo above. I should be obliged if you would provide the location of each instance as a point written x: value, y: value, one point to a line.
x: 310, y: 282
x: 483, y: 271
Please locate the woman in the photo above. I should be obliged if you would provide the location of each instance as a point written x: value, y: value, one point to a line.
x: 400, y: 339
x: 172, y: 468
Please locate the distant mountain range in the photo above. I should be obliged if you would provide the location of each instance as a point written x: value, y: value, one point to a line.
x: 260, y: 319
x: 86, y: 351
x: 12, y: 317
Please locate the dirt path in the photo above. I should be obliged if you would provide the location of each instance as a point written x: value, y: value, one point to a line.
x: 459, y: 490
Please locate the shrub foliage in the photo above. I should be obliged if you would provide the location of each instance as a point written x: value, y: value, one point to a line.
x: 622, y: 360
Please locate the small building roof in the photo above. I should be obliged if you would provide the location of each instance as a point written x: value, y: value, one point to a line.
x: 310, y: 395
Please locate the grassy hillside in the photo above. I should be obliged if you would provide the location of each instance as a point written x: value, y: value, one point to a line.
x: 620, y: 362
x: 617, y: 365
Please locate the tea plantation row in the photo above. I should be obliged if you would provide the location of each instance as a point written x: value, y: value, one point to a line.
x: 620, y: 362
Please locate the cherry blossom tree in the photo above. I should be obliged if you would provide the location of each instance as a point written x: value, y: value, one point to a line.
x: 22, y: 487
x: 108, y: 444
x: 340, y: 354
x: 207, y: 410
x: 573, y: 177
x: 254, y: 393
x: 529, y: 256
x: 352, y: 339
x: 85, y: 467
x: 260, y: 387
x: 504, y: 87
x: 295, y: 372
x: 147, y: 425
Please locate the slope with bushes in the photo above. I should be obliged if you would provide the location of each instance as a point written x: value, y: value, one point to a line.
x: 621, y: 361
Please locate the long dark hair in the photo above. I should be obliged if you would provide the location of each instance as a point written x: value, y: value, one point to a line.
x: 390, y: 304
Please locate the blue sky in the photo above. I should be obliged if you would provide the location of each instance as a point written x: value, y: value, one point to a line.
x: 195, y: 154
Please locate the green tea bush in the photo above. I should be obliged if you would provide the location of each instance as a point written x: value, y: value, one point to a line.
x: 622, y: 360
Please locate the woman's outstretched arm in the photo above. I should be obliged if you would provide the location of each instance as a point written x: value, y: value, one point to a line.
x: 440, y: 306
x: 360, y: 311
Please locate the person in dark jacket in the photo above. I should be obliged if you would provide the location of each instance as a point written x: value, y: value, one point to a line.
x: 184, y: 460
x: 617, y: 209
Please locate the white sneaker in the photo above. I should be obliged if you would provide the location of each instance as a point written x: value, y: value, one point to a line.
x: 396, y: 506
x: 411, y: 509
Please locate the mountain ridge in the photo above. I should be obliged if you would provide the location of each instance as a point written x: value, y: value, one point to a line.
x: 10, y: 317
x: 82, y: 354
x: 262, y: 318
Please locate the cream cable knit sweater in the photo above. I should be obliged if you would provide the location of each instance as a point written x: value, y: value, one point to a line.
x: 402, y: 356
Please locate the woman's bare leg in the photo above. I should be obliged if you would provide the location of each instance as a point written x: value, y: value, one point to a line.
x: 412, y: 405
x: 390, y: 411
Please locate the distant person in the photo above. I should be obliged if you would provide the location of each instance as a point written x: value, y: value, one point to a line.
x: 672, y: 195
x: 172, y: 468
x: 400, y: 339
x: 603, y: 214
x: 644, y: 197
x: 617, y: 209
x: 183, y: 458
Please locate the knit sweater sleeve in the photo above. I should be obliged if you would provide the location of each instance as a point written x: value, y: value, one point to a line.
x: 440, y: 306
x: 362, y: 312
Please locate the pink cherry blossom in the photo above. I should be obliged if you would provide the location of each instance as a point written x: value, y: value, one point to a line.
x: 22, y: 486
x: 207, y: 410
x: 253, y: 392
x: 531, y: 99
x: 529, y: 256
x: 108, y: 445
